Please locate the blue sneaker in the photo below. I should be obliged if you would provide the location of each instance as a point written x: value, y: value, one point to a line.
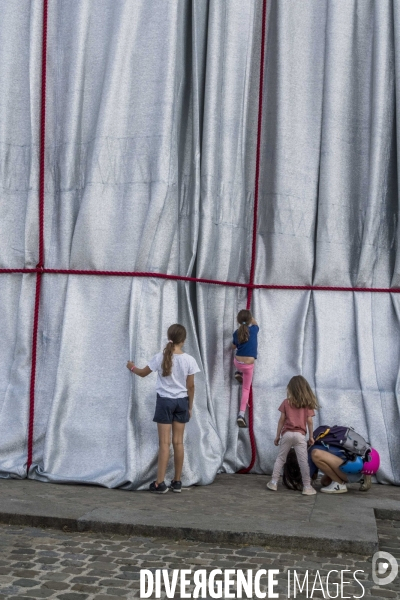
x: 161, y: 488
x: 176, y: 486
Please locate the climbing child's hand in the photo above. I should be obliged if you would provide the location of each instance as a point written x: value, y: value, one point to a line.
x: 130, y: 365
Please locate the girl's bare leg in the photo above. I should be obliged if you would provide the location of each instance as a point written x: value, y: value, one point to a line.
x: 177, y: 442
x: 329, y: 464
x: 164, y: 439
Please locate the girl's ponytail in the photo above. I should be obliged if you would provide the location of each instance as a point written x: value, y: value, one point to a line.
x: 244, y: 319
x: 167, y: 359
x: 176, y: 335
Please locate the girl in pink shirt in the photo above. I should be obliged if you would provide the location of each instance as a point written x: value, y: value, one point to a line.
x: 297, y: 413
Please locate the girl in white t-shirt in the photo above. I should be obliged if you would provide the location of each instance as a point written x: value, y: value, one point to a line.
x: 175, y: 393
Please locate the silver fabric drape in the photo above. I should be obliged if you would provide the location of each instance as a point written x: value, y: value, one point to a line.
x: 151, y: 133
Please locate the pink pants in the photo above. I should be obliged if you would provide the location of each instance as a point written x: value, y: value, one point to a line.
x: 296, y: 440
x: 247, y: 372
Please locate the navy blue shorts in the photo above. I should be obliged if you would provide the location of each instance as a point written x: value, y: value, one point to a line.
x: 171, y: 409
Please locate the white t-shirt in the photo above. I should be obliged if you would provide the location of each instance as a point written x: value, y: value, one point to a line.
x: 174, y: 386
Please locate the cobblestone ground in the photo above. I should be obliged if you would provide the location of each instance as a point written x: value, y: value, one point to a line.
x: 44, y: 563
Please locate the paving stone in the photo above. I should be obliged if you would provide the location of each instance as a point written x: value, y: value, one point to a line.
x: 54, y: 576
x: 56, y: 585
x: 81, y: 587
x: 25, y: 573
x: 45, y: 560
x: 126, y: 576
x: 36, y: 594
x: 22, y: 565
x: 26, y: 582
x: 40, y: 593
x: 73, y: 570
x: 85, y: 579
x: 130, y: 568
x: 72, y: 596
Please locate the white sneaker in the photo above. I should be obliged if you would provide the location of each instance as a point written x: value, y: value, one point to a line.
x: 334, y: 488
x: 309, y: 491
x: 272, y: 486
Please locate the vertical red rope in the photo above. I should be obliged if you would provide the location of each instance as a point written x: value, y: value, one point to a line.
x: 42, y: 135
x: 40, y: 264
x: 255, y: 215
x: 33, y: 372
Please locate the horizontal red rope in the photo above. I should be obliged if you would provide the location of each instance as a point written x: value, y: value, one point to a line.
x: 254, y: 286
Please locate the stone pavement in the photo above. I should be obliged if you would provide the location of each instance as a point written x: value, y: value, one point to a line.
x: 234, y: 509
x: 46, y: 563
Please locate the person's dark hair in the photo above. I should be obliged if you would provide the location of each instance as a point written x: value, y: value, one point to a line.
x: 291, y: 472
x: 300, y: 394
x: 244, y: 319
x: 176, y: 335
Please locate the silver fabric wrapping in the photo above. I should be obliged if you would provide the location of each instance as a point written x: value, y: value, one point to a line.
x: 152, y: 110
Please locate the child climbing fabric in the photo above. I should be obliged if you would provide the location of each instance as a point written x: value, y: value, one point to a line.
x: 246, y: 344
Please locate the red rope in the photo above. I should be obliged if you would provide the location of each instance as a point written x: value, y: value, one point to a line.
x: 254, y: 286
x: 258, y: 156
x: 255, y: 215
x: 39, y: 267
x: 33, y: 372
x: 42, y: 136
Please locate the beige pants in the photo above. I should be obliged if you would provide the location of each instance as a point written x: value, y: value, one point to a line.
x: 296, y: 440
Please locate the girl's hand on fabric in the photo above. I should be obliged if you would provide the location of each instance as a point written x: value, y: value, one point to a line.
x: 311, y: 441
x: 130, y: 365
x: 190, y: 413
x: 276, y: 441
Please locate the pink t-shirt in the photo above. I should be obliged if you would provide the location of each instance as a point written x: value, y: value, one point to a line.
x: 296, y: 418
